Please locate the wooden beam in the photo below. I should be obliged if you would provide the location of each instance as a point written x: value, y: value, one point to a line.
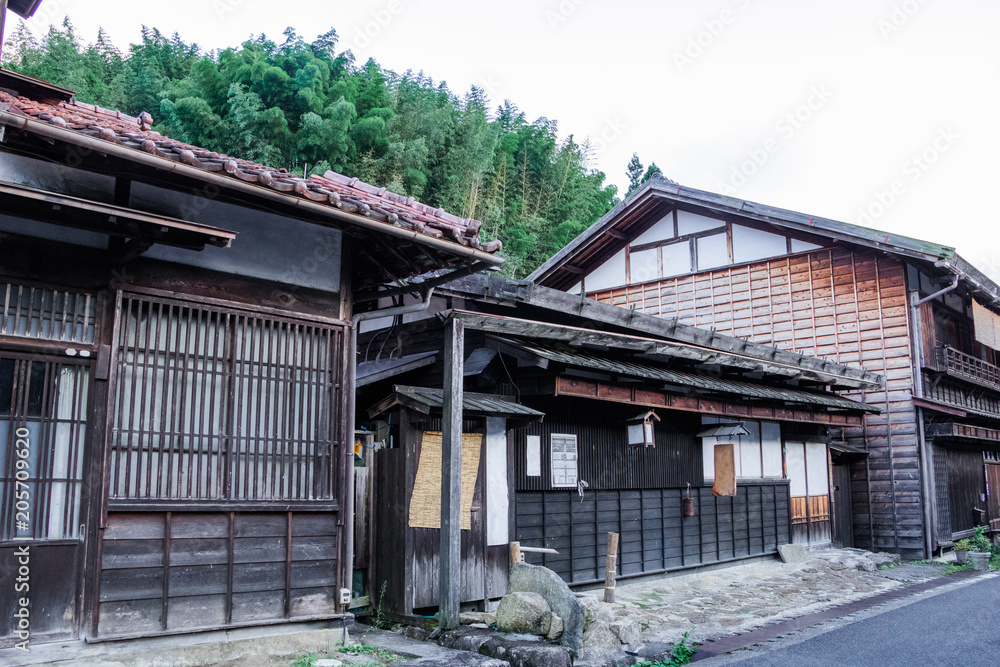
x: 518, y: 353
x: 566, y: 386
x: 450, y: 580
x: 130, y: 250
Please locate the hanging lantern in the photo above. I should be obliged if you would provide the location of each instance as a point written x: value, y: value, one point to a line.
x: 640, y: 430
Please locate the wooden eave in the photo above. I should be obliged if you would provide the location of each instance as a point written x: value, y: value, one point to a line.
x: 676, y: 339
x: 377, y: 371
x: 427, y: 400
x: 668, y: 400
x: 109, y: 219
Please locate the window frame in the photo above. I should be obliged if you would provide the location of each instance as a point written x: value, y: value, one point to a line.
x: 239, y: 374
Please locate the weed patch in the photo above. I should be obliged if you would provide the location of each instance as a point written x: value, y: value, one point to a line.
x: 681, y: 654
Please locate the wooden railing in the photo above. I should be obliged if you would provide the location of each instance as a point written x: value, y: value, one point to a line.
x: 968, y: 367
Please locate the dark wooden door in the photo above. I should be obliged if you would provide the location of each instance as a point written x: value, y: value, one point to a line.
x: 843, y: 523
x: 993, y: 490
x: 43, y: 428
x: 966, y: 483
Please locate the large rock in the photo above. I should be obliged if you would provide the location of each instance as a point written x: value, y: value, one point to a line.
x: 792, y: 553
x: 599, y: 639
x: 563, y: 602
x: 524, y: 612
x: 538, y: 656
x: 627, y: 632
x: 591, y: 608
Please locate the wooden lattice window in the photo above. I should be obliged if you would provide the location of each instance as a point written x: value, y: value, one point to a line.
x: 42, y: 432
x: 223, y: 405
x: 42, y: 314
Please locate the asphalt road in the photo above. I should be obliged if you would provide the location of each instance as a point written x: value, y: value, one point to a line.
x: 957, y: 627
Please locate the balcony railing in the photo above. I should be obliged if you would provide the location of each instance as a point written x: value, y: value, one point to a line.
x: 967, y: 367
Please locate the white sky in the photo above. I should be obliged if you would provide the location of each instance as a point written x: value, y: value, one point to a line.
x: 820, y: 107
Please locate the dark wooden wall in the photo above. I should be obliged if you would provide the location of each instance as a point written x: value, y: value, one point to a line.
x: 966, y: 481
x: 176, y: 571
x: 849, y: 306
x: 407, y: 559
x: 606, y: 461
x: 654, y: 534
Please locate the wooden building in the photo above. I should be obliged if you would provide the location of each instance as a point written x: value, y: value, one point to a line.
x: 176, y: 371
x: 581, y: 419
x: 911, y: 310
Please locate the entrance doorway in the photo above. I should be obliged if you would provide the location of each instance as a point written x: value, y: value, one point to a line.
x: 43, y: 406
x: 807, y: 469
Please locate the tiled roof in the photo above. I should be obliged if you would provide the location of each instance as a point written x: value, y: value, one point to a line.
x: 347, y: 194
x: 596, y: 361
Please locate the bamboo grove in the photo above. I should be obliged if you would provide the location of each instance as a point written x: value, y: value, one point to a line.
x: 309, y: 107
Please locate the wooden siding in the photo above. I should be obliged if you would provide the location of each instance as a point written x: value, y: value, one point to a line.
x: 654, y: 534
x: 606, y: 461
x: 849, y: 306
x: 163, y: 571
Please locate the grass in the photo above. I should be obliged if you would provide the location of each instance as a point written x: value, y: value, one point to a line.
x: 384, y: 656
x: 681, y: 655
x: 955, y: 567
x: 380, y: 657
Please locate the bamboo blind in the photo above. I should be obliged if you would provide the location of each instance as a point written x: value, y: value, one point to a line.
x: 425, y: 503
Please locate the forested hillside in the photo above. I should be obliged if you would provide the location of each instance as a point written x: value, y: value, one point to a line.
x: 309, y: 107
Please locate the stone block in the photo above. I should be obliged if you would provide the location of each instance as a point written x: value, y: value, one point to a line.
x: 555, y: 627
x: 562, y: 601
x: 627, y: 632
x: 792, y: 553
x: 599, y: 639
x: 525, y: 612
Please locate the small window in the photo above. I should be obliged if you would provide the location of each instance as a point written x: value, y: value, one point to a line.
x: 533, y: 456
x: 563, y: 447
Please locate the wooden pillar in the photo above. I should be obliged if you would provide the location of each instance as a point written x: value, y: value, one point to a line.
x: 450, y: 581
x: 611, y: 567
x: 515, y: 553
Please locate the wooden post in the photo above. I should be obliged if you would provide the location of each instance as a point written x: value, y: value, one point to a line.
x: 3, y: 19
x: 515, y: 553
x: 450, y: 581
x: 609, y: 568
